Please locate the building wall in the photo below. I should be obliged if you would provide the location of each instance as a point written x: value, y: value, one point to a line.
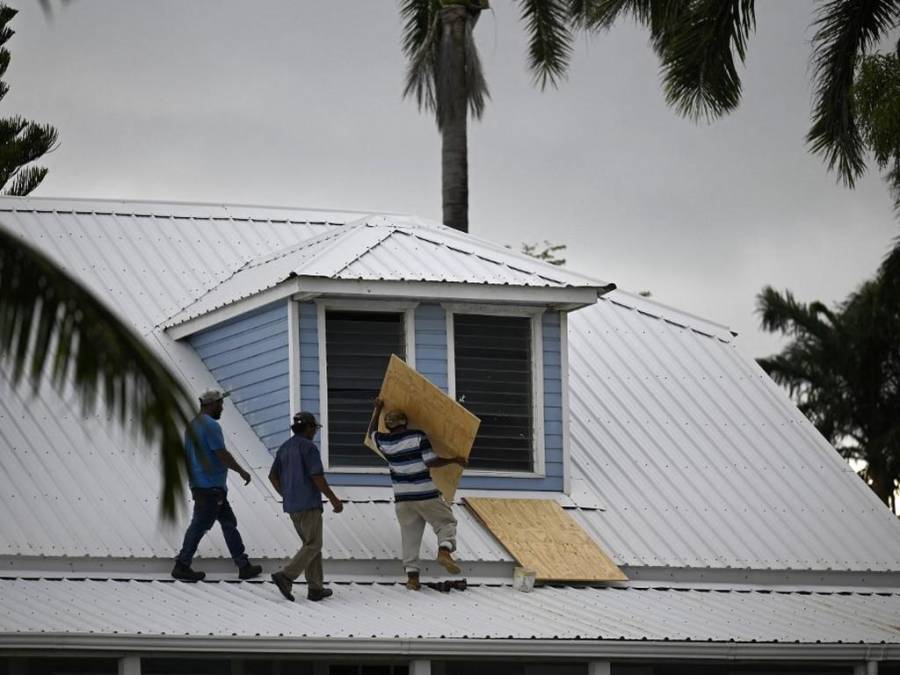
x: 248, y: 356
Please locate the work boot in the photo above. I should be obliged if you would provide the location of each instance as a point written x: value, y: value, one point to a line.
x: 284, y: 585
x: 445, y: 559
x: 249, y: 571
x: 321, y: 594
x: 184, y: 573
x: 412, y: 581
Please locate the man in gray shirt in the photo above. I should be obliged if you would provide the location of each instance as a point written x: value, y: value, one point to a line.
x: 298, y: 476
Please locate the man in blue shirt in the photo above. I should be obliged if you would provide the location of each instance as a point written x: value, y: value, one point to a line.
x: 208, y: 464
x: 298, y: 476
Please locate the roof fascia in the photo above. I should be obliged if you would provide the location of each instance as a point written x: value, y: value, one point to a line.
x: 609, y: 648
x: 200, y: 323
x: 564, y: 298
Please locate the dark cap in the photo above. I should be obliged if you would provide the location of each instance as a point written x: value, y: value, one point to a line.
x: 306, y: 419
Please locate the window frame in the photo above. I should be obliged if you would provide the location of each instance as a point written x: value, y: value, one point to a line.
x: 537, y: 377
x: 407, y: 309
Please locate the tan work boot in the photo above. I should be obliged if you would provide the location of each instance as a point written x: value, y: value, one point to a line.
x: 412, y: 581
x: 445, y: 559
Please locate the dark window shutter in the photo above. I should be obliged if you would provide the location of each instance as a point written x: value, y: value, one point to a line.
x: 494, y: 381
x: 358, y: 347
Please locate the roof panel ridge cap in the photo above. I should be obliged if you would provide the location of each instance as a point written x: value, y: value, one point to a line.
x: 533, y: 265
x: 671, y: 314
x: 288, y: 250
x: 321, y: 266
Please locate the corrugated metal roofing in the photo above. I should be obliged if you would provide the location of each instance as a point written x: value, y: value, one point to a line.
x: 701, y: 460
x: 389, y: 611
x: 698, y: 459
x: 378, y: 248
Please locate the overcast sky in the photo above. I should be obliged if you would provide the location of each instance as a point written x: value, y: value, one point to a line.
x: 298, y: 104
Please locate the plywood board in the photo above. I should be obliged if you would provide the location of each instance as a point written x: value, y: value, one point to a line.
x: 543, y: 537
x: 450, y: 427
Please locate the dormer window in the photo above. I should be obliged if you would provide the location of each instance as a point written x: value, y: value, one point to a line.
x: 357, y: 347
x: 496, y: 372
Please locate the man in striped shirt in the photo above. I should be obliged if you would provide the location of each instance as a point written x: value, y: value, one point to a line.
x: 416, y: 498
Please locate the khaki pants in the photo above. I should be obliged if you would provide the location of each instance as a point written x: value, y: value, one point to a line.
x: 412, y: 517
x: 309, y: 558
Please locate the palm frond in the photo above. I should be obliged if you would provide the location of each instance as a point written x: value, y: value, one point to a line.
x: 845, y: 30
x: 421, y: 71
x: 783, y: 313
x: 53, y: 328
x: 418, y: 17
x: 699, y: 52
x: 549, y: 39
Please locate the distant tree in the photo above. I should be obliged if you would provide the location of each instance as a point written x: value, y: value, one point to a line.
x: 21, y: 141
x: 877, y: 101
x: 548, y: 253
x: 445, y: 76
x: 842, y: 366
x: 701, y: 42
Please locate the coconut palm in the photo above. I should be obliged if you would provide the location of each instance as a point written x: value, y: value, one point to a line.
x: 445, y: 76
x: 700, y: 42
x: 843, y: 368
x: 55, y: 330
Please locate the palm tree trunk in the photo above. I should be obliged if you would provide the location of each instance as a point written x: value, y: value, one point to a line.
x: 454, y: 137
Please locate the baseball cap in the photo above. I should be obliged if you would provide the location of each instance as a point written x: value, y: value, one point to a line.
x: 394, y: 418
x: 306, y: 418
x: 213, y: 395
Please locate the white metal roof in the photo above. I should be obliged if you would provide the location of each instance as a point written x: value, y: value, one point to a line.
x: 380, y: 248
x: 697, y: 458
x: 61, y: 609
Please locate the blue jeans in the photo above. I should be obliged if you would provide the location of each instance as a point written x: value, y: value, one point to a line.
x: 210, y: 505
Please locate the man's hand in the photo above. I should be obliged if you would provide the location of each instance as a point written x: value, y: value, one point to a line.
x: 379, y: 403
x: 337, y: 505
x: 246, y: 476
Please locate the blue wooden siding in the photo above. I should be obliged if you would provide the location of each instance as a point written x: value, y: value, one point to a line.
x: 431, y: 344
x: 248, y: 356
x: 309, y: 360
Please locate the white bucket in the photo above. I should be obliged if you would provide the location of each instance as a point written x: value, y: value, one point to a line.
x: 523, y: 579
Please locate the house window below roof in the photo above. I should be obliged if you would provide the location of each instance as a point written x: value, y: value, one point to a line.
x: 497, y: 376
x: 359, y: 345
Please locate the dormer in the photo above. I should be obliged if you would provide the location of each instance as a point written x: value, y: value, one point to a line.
x: 312, y: 326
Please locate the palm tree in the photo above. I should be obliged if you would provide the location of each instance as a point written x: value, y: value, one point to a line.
x: 700, y: 41
x: 843, y: 368
x: 445, y: 77
x: 53, y: 328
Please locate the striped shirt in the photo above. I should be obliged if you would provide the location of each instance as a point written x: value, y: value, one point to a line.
x: 409, y: 455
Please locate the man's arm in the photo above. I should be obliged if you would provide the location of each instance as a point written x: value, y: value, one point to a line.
x: 373, y: 423
x: 229, y: 461
x: 443, y: 461
x: 325, y: 489
x: 275, y: 480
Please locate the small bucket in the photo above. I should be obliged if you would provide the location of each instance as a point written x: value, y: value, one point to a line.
x: 523, y: 579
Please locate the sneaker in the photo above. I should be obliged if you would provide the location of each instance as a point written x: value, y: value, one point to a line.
x: 184, y: 573
x: 315, y: 596
x: 284, y: 585
x: 249, y: 571
x: 445, y: 559
x: 413, y: 583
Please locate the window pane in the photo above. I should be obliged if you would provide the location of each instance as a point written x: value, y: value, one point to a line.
x: 494, y: 381
x: 358, y: 347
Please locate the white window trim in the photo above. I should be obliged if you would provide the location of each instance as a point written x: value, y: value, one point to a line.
x: 537, y: 377
x: 293, y: 312
x: 408, y: 309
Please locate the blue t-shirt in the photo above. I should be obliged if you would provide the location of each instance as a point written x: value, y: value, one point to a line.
x: 296, y: 462
x: 204, y: 466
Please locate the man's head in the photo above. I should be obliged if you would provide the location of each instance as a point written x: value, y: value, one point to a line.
x: 395, y: 420
x: 212, y: 401
x: 305, y: 424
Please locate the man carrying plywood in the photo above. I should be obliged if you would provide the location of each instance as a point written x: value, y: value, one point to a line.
x: 417, y: 499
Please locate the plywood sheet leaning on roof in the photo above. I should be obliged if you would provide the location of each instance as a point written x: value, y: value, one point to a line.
x: 450, y: 427
x: 542, y: 537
